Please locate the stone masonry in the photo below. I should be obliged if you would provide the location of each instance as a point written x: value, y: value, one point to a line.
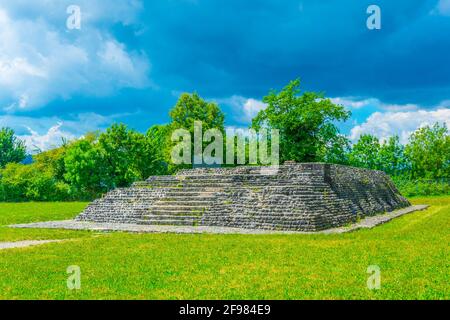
x: 296, y: 197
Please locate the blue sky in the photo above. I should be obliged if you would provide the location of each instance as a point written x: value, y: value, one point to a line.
x: 131, y: 59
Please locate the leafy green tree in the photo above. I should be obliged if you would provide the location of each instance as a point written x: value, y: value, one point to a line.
x: 306, y: 122
x: 157, y: 144
x: 392, y: 159
x: 336, y: 150
x: 116, y: 158
x: 386, y: 156
x: 189, y: 109
x: 11, y: 148
x: 429, y: 152
x: 32, y: 182
x: 53, y: 161
x: 125, y: 155
x: 365, y: 152
x: 85, y: 168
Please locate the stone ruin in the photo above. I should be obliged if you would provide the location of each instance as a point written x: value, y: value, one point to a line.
x: 296, y: 197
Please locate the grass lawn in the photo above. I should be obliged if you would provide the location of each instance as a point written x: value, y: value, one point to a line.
x: 411, y: 251
x: 16, y: 213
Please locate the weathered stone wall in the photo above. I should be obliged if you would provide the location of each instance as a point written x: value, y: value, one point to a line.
x: 303, y: 197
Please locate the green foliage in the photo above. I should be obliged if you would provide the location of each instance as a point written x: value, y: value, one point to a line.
x: 386, y: 156
x: 306, y: 123
x: 157, y: 144
x: 422, y: 187
x: 189, y: 109
x: 40, y: 181
x: 429, y: 152
x: 335, y: 151
x: 85, y: 169
x: 53, y: 161
x: 364, y: 153
x: 422, y: 167
x: 11, y: 148
x: 30, y: 183
x: 392, y: 158
x: 117, y: 158
x: 124, y: 155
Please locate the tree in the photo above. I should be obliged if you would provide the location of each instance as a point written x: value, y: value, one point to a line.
x: 392, y: 159
x: 33, y: 182
x: 53, y: 161
x: 85, y: 168
x: 365, y: 153
x: 189, y: 109
x: 157, y: 143
x: 114, y: 159
x: 387, y: 156
x: 11, y: 148
x: 306, y: 122
x: 336, y: 150
x: 429, y: 152
x: 125, y: 155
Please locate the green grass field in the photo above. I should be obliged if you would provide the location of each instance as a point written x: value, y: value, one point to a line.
x: 411, y: 251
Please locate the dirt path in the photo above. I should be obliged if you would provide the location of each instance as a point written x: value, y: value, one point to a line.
x: 24, y: 244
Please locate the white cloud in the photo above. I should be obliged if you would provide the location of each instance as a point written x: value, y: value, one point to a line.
x: 356, y: 103
x: 48, y: 132
x: 399, y: 107
x: 353, y: 103
x: 384, y: 125
x: 245, y: 109
x: 53, y: 138
x: 252, y: 107
x: 40, y: 60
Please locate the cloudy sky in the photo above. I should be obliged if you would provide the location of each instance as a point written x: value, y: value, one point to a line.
x: 131, y: 59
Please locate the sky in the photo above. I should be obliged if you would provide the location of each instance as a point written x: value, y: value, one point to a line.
x: 131, y: 59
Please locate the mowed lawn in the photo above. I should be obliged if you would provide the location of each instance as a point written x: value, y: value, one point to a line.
x: 412, y: 253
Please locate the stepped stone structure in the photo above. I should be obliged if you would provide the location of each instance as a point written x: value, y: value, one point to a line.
x: 297, y: 197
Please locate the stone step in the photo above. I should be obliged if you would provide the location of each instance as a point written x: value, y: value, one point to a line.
x: 227, y: 215
x: 208, y: 191
x: 183, y: 202
x: 227, y: 183
x: 221, y: 203
x: 178, y: 208
x: 173, y: 212
x: 217, y: 196
x: 255, y: 175
x: 294, y: 183
x: 169, y: 217
x: 228, y: 179
x: 273, y: 217
x: 276, y: 227
x: 169, y: 222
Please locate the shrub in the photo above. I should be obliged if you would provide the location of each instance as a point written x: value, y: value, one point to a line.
x: 20, y: 182
x: 422, y: 187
